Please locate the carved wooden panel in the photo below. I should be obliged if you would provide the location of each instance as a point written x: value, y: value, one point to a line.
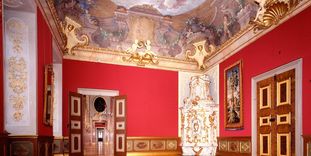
x: 265, y: 97
x: 265, y: 144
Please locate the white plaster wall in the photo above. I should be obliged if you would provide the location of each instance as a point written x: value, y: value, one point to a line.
x: 58, y: 100
x: 27, y: 125
x: 213, y: 74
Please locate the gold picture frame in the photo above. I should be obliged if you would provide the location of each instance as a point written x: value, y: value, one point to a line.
x: 233, y: 96
x: 48, y: 95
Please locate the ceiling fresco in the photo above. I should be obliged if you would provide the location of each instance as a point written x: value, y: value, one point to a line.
x: 172, y: 26
x: 165, y: 7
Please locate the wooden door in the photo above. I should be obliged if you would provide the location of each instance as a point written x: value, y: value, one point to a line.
x: 75, y: 121
x: 276, y: 115
x: 119, y: 103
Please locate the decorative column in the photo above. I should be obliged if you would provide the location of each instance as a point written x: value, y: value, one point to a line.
x: 199, y: 127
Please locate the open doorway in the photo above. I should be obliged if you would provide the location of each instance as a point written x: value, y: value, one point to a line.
x: 98, y: 125
x: 97, y: 111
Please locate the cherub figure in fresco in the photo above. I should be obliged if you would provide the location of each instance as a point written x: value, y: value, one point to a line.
x: 133, y: 48
x: 148, y: 48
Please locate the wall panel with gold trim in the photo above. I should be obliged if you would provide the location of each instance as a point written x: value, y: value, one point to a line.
x: 150, y: 146
x: 227, y: 146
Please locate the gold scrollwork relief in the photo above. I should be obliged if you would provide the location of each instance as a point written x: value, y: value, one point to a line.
x: 69, y: 28
x: 17, y: 67
x: 17, y: 76
x: 270, y: 12
x: 141, y: 58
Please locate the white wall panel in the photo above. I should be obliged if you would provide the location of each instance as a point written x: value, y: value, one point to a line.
x: 20, y: 68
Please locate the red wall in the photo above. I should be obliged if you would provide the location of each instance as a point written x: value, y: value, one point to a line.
x: 1, y: 74
x: 45, y: 56
x: 286, y: 43
x: 152, y: 95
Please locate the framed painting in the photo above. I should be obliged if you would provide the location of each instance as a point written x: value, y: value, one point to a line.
x: 48, y: 95
x: 233, y: 96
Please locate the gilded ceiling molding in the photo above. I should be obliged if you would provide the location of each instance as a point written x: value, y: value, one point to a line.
x: 270, y: 12
x: 141, y: 58
x: 102, y: 55
x: 69, y: 28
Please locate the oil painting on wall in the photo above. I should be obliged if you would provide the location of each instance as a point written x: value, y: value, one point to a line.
x: 171, y: 25
x: 233, y: 96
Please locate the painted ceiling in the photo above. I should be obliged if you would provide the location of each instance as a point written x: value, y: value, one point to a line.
x: 171, y: 25
x: 170, y: 29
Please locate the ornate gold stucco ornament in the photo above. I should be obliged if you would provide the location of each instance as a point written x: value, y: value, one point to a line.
x: 141, y: 57
x: 199, y: 55
x: 270, y: 12
x: 69, y: 28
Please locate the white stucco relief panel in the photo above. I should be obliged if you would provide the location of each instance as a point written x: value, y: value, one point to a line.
x: 20, y: 86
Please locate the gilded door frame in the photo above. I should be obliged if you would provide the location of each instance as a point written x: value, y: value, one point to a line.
x: 297, y: 65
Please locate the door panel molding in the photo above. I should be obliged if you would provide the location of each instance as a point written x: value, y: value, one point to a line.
x: 279, y: 86
x: 297, y: 65
x: 75, y: 119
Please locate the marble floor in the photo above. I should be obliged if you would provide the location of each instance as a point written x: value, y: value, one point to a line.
x: 97, y: 149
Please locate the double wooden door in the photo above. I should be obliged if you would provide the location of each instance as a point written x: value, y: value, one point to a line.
x: 76, y: 103
x: 276, y: 115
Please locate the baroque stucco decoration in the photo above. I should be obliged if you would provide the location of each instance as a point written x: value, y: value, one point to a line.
x: 270, y: 12
x: 17, y: 67
x: 200, y: 53
x: 141, y: 58
x: 199, y: 119
x: 69, y: 28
